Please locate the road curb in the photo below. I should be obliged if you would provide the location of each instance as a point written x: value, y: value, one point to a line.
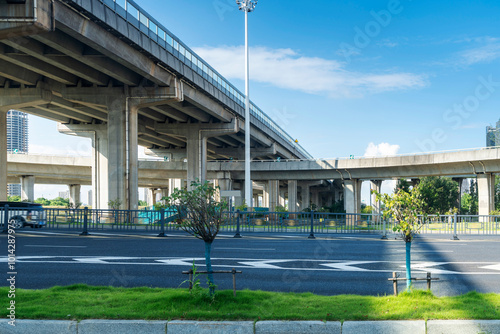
x: 248, y: 327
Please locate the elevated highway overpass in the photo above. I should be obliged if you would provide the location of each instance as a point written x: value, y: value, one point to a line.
x: 107, y: 70
x: 347, y: 174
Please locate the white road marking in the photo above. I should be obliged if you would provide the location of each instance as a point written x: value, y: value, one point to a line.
x: 492, y: 267
x: 49, y: 246
x: 252, y: 249
x: 348, y: 266
x: 332, y: 265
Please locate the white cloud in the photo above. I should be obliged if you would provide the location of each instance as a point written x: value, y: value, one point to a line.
x: 285, y: 68
x: 381, y: 150
x: 487, y: 51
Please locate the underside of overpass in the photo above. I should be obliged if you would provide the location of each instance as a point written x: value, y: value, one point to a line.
x: 103, y: 73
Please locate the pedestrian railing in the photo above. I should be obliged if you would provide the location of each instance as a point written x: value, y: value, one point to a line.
x: 307, y: 223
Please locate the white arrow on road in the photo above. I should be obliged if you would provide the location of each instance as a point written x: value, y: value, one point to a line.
x: 348, y: 266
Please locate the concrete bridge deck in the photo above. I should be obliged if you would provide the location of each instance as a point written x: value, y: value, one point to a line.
x: 118, y: 76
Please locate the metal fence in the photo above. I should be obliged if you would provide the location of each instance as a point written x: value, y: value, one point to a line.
x: 237, y: 222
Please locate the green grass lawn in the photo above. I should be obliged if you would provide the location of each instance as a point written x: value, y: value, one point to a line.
x: 78, y: 302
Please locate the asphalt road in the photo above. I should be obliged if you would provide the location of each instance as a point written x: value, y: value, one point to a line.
x: 327, y: 265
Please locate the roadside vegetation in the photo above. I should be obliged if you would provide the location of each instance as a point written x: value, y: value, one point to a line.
x: 77, y: 302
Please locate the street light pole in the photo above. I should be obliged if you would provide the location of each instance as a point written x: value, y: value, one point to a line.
x: 247, y: 6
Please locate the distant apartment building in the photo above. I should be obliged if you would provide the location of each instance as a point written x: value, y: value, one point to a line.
x: 493, y: 135
x: 17, y: 141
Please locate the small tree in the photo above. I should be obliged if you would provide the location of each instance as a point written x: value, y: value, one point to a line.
x: 405, y: 207
x: 115, y: 204
x: 201, y: 215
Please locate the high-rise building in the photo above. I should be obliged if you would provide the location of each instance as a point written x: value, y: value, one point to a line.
x: 493, y: 135
x: 17, y: 141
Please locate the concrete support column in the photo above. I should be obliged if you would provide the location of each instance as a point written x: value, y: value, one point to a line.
x: 174, y: 184
x: 375, y: 185
x: 486, y: 193
x: 282, y: 197
x: 133, y: 158
x: 74, y: 194
x: 265, y: 195
x: 27, y: 188
x: 196, y: 157
x: 255, y: 199
x: 122, y: 152
x: 164, y: 192
x: 151, y: 199
x: 292, y: 196
x: 315, y: 198
x: 196, y: 148
x: 273, y: 186
x: 100, y: 196
x: 3, y: 155
x: 460, y: 181
x: 306, y: 197
x: 352, y: 196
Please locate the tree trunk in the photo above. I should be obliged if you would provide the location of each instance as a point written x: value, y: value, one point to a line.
x: 408, y: 265
x: 208, y: 262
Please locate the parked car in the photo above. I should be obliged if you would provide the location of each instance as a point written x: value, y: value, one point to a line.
x: 23, y: 214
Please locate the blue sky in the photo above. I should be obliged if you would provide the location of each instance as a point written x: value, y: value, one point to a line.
x: 348, y: 77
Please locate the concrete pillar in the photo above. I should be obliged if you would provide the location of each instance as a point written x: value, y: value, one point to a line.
x: 151, y: 199
x: 27, y: 188
x: 273, y: 187
x: 133, y: 158
x: 74, y: 194
x: 282, y: 197
x: 196, y: 157
x: 265, y: 195
x: 375, y: 185
x: 174, y: 184
x: 486, y: 193
x: 315, y: 198
x: 352, y: 196
x: 255, y: 199
x: 3, y: 155
x: 460, y: 181
x: 100, y: 196
x: 196, y: 137
x: 292, y: 196
x: 306, y: 197
x: 164, y: 192
x: 117, y: 153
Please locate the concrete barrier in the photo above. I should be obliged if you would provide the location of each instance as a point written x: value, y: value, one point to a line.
x: 384, y: 327
x: 248, y: 327
x: 463, y: 326
x: 297, y: 327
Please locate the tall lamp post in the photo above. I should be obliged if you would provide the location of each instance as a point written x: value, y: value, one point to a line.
x: 247, y: 6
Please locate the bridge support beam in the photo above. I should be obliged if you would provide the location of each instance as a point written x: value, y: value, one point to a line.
x: 274, y: 190
x: 74, y: 194
x: 486, y: 193
x: 352, y: 196
x: 27, y: 188
x: 196, y: 136
x: 174, y: 184
x: 305, y: 194
x: 460, y: 181
x: 375, y: 185
x: 99, y: 136
x: 292, y: 196
x: 3, y: 155
x: 151, y: 199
